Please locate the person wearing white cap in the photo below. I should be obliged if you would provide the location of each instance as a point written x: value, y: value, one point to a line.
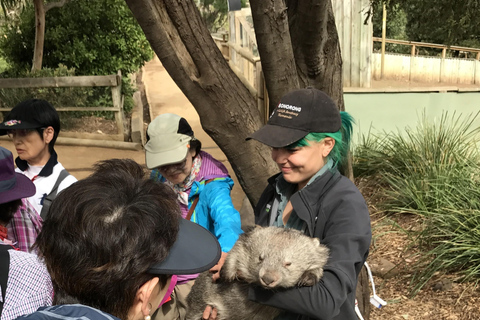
x: 203, y: 187
x: 112, y: 243
x: 25, y: 283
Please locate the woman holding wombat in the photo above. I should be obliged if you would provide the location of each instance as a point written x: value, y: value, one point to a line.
x: 310, y: 139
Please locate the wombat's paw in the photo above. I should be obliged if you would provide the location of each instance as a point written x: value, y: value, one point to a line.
x: 309, y: 278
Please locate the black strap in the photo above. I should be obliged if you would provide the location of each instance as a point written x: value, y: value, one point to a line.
x: 47, y: 201
x: 4, y: 269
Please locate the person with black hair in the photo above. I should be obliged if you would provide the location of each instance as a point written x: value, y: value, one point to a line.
x: 25, y: 283
x: 203, y: 187
x: 112, y: 242
x: 34, y: 125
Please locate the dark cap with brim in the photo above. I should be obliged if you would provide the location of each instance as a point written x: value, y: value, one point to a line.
x: 13, y: 185
x: 17, y: 124
x: 276, y: 136
x: 299, y: 113
x: 195, y: 250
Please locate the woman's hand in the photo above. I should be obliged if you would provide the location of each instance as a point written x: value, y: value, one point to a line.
x: 210, y: 313
x: 216, y: 268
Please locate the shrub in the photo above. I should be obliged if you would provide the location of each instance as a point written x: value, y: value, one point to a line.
x: 91, y: 37
x: 432, y: 171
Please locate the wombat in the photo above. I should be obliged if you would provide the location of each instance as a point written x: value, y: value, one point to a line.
x: 270, y: 257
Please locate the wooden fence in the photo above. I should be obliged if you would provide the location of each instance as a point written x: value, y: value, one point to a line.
x: 355, y: 37
x: 428, y: 69
x: 113, y: 81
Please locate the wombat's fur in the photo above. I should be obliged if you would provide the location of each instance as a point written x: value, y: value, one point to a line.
x: 269, y: 257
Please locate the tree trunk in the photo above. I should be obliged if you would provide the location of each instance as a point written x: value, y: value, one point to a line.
x: 227, y: 110
x: 363, y: 294
x: 39, y: 35
x: 316, y: 47
x: 275, y: 47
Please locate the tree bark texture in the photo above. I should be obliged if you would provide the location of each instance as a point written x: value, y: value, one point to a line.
x: 39, y: 35
x: 316, y: 46
x: 227, y: 110
x: 275, y: 47
x: 299, y: 47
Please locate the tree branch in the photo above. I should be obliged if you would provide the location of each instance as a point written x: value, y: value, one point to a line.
x: 57, y: 4
x: 275, y: 48
x: 317, y: 48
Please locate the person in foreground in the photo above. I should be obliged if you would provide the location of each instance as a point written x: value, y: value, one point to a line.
x: 310, y: 141
x: 25, y: 283
x: 34, y: 125
x: 202, y: 185
x: 113, y: 241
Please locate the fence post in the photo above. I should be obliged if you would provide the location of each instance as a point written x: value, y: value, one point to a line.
x: 442, y: 65
x: 412, y: 63
x: 384, y: 32
x: 117, y: 102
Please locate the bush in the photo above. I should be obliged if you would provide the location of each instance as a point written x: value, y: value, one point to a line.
x: 91, y: 37
x: 432, y: 171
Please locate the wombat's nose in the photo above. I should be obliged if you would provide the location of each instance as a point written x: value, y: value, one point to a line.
x: 269, y: 279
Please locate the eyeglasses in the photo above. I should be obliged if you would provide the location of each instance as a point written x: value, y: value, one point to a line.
x: 21, y: 133
x: 174, y: 166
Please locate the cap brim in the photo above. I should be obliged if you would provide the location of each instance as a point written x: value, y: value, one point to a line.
x: 23, y: 188
x: 154, y: 160
x: 17, y: 124
x: 276, y: 136
x: 195, y: 250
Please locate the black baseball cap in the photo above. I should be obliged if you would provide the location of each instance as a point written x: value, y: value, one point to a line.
x: 195, y: 250
x: 18, y: 124
x: 299, y: 113
x: 13, y: 185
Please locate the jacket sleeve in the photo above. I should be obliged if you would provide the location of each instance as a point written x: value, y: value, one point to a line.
x: 226, y: 220
x: 347, y: 233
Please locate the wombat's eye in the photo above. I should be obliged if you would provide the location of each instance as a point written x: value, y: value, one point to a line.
x: 261, y: 257
x: 287, y: 264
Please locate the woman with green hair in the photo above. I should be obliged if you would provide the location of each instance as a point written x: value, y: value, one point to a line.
x: 310, y: 141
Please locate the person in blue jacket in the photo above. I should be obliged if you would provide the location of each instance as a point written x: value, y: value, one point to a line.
x: 203, y: 187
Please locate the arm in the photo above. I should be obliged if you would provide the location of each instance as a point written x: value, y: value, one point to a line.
x: 225, y: 219
x: 347, y: 233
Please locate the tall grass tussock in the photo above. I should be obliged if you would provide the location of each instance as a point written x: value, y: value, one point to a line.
x: 432, y: 171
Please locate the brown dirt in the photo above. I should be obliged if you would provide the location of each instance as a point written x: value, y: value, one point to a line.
x: 90, y: 125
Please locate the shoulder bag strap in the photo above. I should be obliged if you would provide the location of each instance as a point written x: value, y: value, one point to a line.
x: 194, y: 204
x: 4, y: 269
x: 47, y: 201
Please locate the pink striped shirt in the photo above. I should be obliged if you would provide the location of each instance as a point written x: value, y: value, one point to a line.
x: 25, y: 226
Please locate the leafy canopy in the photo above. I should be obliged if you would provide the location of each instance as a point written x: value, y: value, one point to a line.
x: 451, y: 22
x: 95, y: 37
